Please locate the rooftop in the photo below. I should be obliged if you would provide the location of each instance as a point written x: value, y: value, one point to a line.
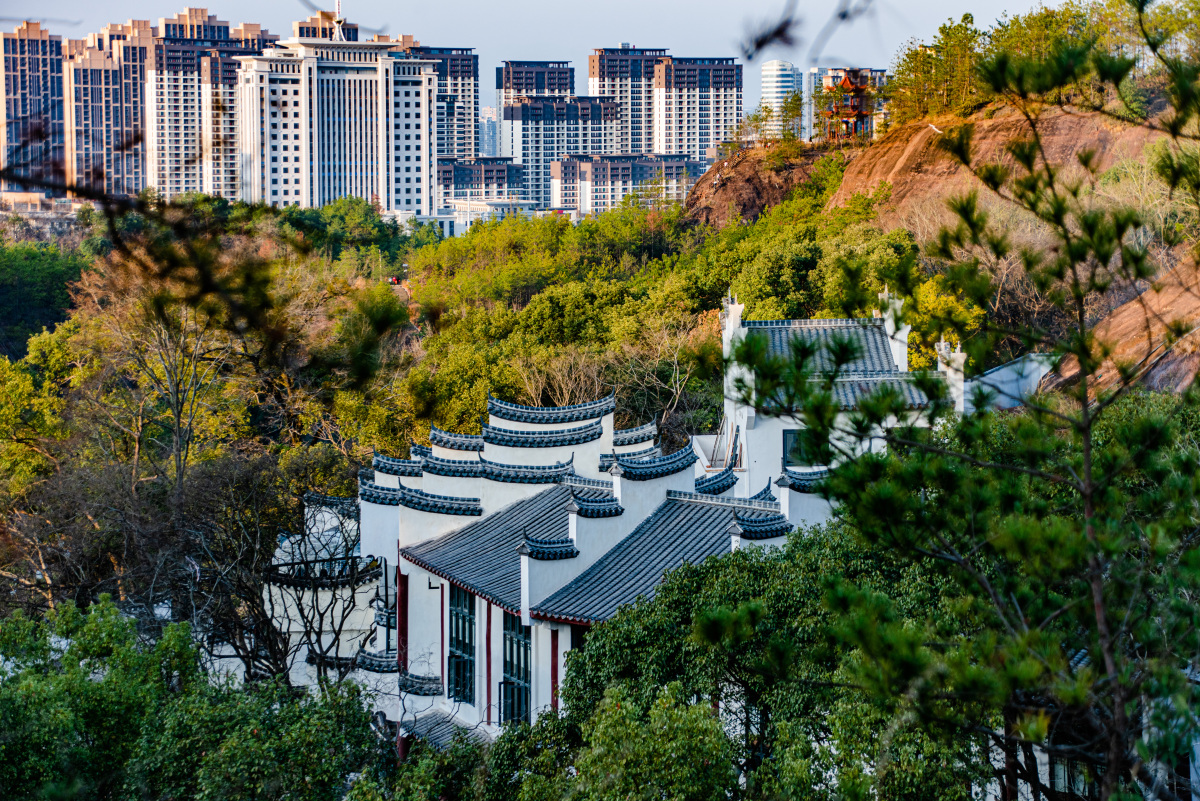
x: 687, y: 528
x: 875, y: 352
x: 551, y: 414
x: 482, y: 557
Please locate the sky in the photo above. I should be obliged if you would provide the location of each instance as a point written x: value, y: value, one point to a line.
x: 539, y: 30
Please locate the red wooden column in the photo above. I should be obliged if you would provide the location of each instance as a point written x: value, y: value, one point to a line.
x: 554, y: 668
x: 401, y: 619
x: 487, y: 648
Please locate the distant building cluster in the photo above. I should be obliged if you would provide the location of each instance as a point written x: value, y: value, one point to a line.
x: 193, y: 104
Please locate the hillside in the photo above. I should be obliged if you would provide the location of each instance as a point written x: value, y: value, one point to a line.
x: 1138, y: 333
x: 921, y: 174
x: 741, y: 187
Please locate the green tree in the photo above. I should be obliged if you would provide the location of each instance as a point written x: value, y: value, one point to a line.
x: 33, y: 291
x: 75, y: 691
x: 753, y: 631
x: 677, y: 751
x: 229, y: 743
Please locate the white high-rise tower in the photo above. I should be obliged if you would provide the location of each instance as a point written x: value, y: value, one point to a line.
x: 779, y: 80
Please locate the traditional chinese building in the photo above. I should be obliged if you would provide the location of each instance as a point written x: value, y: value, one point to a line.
x: 848, y: 104
x: 499, y: 549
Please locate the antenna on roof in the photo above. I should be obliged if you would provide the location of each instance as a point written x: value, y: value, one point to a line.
x: 338, y: 21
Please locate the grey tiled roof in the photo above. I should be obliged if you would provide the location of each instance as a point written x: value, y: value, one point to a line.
x: 764, y: 494
x: 875, y: 353
x: 659, y: 466
x: 543, y: 439
x: 419, y: 451
x: 396, y: 467
x: 762, y: 527
x: 413, y: 684
x: 439, y: 728
x: 716, y: 483
x: 599, y: 507
x: 850, y: 388
x: 802, y: 481
x: 607, y: 460
x: 482, y: 557
x: 547, y: 551
x: 342, y: 503
x: 453, y: 441
x: 410, y: 498
x: 461, y: 468
x: 686, y: 528
x: 527, y: 474
x: 551, y: 414
x: 633, y: 436
x: 579, y: 481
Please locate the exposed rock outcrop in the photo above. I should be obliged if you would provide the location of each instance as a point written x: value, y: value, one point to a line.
x: 919, y: 172
x: 742, y: 186
x: 1138, y: 334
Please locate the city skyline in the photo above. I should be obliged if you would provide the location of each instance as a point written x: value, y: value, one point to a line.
x: 500, y: 32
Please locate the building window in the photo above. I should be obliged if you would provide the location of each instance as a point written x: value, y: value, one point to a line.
x: 514, y: 689
x: 798, y: 449
x: 1071, y: 779
x: 461, y: 667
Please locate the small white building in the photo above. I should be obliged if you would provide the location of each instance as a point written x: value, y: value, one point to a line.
x: 769, y: 451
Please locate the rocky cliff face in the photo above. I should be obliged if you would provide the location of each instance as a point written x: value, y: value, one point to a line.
x: 743, y: 186
x: 920, y: 174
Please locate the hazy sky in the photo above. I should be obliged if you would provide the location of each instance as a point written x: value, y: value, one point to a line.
x: 543, y: 30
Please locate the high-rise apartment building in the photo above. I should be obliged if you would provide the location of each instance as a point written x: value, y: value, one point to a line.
x: 489, y: 131
x: 697, y: 104
x: 780, y: 80
x: 190, y: 102
x: 32, y: 140
x: 541, y: 130
x: 457, y: 99
x: 323, y: 25
x: 319, y: 120
x: 593, y: 184
x: 478, y: 179
x: 105, y: 103
x: 516, y: 79
x: 626, y: 74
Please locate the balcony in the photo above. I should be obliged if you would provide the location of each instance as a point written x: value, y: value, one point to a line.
x: 385, y: 618
x: 419, y: 685
x: 325, y: 574
x: 379, y: 662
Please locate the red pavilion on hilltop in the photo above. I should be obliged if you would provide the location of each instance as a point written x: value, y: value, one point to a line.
x: 851, y: 106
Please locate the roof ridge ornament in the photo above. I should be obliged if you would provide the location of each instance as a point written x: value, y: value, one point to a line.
x: 657, y: 467
x: 506, y: 410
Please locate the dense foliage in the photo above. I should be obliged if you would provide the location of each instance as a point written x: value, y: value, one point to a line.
x: 92, y: 711
x: 33, y: 291
x: 942, y: 76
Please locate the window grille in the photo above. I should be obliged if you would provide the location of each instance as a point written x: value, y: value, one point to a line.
x: 514, y: 689
x: 461, y: 662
